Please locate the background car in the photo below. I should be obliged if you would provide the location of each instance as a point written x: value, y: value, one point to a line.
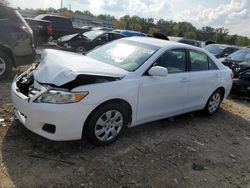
x: 241, y: 85
x: 130, y: 33
x: 238, y: 61
x: 42, y: 30
x: 16, y: 41
x: 192, y: 42
x: 126, y: 82
x: 221, y: 50
x: 101, y: 28
x: 159, y: 36
x: 61, y: 25
x: 82, y: 43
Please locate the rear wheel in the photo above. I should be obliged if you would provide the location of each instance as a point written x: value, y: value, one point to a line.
x: 5, y: 65
x: 81, y: 50
x: 106, y: 124
x: 213, y: 103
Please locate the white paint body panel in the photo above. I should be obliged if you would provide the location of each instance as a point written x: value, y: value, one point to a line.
x: 151, y: 98
x: 59, y: 67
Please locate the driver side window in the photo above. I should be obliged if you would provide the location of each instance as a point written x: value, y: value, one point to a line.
x: 174, y: 60
x: 104, y: 38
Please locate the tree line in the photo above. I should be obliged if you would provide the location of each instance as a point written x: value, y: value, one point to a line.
x: 166, y: 27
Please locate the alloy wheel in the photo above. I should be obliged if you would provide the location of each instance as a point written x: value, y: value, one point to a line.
x: 214, y: 103
x: 81, y: 50
x: 109, y: 125
x: 2, y: 66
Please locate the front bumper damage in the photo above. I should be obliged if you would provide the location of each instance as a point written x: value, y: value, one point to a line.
x: 52, y: 121
x: 241, y: 86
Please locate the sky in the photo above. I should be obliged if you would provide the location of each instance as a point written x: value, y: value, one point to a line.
x: 231, y: 14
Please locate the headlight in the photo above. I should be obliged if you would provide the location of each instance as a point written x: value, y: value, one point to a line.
x: 67, y: 45
x: 60, y: 97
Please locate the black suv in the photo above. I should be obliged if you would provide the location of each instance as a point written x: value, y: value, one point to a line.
x: 16, y: 41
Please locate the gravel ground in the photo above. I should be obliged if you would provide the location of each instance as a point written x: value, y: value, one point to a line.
x: 190, y: 151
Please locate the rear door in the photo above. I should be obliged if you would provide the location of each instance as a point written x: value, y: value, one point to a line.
x: 204, y: 79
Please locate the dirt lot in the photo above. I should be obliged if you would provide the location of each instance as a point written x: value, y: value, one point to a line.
x: 192, y: 151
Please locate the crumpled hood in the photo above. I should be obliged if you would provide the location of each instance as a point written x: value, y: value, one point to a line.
x: 59, y: 67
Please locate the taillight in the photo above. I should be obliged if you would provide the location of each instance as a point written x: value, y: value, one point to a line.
x: 49, y: 28
x: 25, y: 29
x: 232, y: 75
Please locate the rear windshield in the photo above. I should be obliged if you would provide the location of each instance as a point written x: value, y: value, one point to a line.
x: 92, y: 34
x: 214, y: 49
x: 19, y: 16
x: 241, y: 55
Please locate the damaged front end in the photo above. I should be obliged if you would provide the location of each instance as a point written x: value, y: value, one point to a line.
x: 31, y: 88
x: 241, y: 85
x: 25, y: 82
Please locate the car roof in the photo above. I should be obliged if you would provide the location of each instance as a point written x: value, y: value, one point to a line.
x: 51, y: 15
x: 161, y: 43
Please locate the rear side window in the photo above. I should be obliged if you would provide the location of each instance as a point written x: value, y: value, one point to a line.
x: 115, y: 36
x: 212, y: 65
x: 174, y: 60
x: 198, y: 60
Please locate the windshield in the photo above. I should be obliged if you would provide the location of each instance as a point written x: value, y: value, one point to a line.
x: 128, y: 55
x: 241, y: 55
x: 92, y: 34
x: 214, y: 49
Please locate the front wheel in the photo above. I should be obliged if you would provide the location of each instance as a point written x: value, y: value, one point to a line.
x: 106, y: 124
x: 213, y: 103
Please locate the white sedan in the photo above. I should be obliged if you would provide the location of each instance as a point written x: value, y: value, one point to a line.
x: 127, y: 82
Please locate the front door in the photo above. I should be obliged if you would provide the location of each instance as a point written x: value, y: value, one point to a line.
x: 161, y: 97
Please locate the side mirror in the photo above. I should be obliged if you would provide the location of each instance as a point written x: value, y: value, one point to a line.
x: 158, y: 71
x: 226, y: 54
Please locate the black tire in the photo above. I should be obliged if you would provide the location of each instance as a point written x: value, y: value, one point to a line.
x: 81, y: 50
x: 207, y: 110
x: 90, y: 126
x: 6, y: 60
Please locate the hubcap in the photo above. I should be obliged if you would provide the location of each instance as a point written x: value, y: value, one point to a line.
x: 109, y: 125
x: 80, y: 50
x: 214, y: 103
x: 2, y: 66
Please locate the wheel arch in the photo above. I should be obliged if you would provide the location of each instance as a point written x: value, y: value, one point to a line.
x: 123, y: 102
x: 222, y: 89
x: 9, y: 52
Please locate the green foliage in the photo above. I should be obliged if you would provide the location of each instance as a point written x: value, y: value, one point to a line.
x: 168, y: 28
x: 190, y: 35
x: 120, y: 24
x: 106, y: 17
x: 40, y: 11
x: 153, y: 30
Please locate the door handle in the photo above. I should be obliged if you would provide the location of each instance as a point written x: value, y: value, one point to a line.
x: 216, y: 75
x: 185, y: 79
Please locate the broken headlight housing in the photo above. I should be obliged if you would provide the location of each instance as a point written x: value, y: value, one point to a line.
x: 60, y: 97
